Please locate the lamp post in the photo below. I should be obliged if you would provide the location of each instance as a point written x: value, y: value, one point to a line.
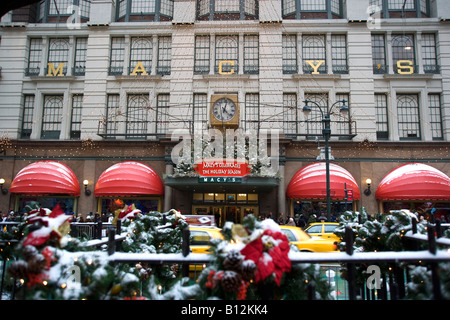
x: 326, y: 133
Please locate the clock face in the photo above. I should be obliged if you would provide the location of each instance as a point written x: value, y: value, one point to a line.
x: 224, y: 109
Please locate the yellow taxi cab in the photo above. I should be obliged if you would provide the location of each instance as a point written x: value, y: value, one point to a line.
x: 200, y: 238
x: 304, y: 242
x: 200, y: 242
x: 324, y: 230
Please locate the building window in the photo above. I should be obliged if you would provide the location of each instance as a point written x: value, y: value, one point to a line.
x: 381, y: 111
x: 314, y: 120
x: 144, y: 10
x: 58, y: 56
x: 27, y: 117
x: 141, y: 52
x: 289, y: 47
x: 200, y: 111
x: 401, y: 4
x: 379, y: 54
x: 408, y: 116
x: 75, y: 124
x: 202, y: 52
x: 137, y: 116
x: 429, y: 55
x: 112, y: 112
x: 117, y: 56
x: 402, y: 8
x: 162, y: 113
x: 251, y: 114
x: 227, y: 10
x: 251, y: 54
x: 339, y: 54
x: 314, y: 54
x: 290, y: 114
x: 403, y: 50
x: 434, y: 107
x: 34, y: 57
x: 312, y: 9
x: 164, y: 55
x: 51, y: 117
x: 227, y: 49
x: 61, y: 10
x: 343, y: 123
x: 79, y: 65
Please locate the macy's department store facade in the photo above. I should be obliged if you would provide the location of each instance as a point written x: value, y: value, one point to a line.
x: 87, y: 111
x: 92, y: 182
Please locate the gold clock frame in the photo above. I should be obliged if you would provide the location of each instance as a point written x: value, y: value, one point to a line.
x: 233, y: 122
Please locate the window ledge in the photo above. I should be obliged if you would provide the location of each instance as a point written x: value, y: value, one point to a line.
x: 226, y: 76
x: 140, y: 77
x: 410, y: 76
x: 317, y: 76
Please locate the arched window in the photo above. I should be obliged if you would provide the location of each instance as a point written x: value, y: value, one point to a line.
x: 408, y: 116
x: 144, y: 10
x: 227, y: 49
x: 227, y: 9
x: 403, y: 50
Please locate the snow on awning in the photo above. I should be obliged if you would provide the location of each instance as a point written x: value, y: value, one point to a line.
x: 46, y: 178
x: 310, y: 183
x: 128, y: 178
x: 414, y: 181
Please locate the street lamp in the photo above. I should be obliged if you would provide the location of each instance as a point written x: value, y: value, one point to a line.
x: 326, y: 133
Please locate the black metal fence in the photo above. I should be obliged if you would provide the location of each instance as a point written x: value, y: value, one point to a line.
x: 344, y: 265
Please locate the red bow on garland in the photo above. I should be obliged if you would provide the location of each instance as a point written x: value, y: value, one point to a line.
x: 270, y: 254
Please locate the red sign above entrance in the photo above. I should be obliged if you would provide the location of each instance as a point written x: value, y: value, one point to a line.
x: 222, y: 168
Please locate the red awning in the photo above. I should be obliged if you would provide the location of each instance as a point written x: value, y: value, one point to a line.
x: 46, y: 178
x: 310, y: 183
x: 127, y: 179
x: 414, y: 181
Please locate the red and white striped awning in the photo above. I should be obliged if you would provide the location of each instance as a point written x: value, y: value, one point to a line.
x: 414, y: 181
x: 129, y: 178
x: 310, y: 183
x: 46, y: 178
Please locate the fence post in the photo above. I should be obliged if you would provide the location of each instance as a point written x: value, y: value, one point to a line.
x: 99, y: 226
x: 414, y: 225
x: 437, y: 294
x: 119, y: 226
x: 431, y: 239
x: 438, y: 228
x: 311, y: 291
x: 185, y: 249
x: 73, y: 230
x: 111, y: 241
x: 350, y: 266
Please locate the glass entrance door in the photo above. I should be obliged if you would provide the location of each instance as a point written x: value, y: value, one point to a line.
x: 225, y: 206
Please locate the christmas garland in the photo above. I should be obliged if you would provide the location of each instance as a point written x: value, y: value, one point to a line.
x: 253, y: 263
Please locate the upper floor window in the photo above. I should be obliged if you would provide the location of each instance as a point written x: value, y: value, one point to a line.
x: 403, y: 49
x: 227, y: 9
x: 402, y: 8
x: 61, y: 10
x: 314, y: 50
x: 312, y: 9
x: 144, y: 10
x: 404, y: 58
x: 148, y: 55
x: 58, y: 56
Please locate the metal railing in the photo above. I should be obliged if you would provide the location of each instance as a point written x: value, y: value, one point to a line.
x: 392, y: 284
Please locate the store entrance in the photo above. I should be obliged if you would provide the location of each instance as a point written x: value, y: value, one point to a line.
x: 225, y: 206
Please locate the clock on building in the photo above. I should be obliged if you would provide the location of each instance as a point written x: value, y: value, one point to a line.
x: 224, y: 111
